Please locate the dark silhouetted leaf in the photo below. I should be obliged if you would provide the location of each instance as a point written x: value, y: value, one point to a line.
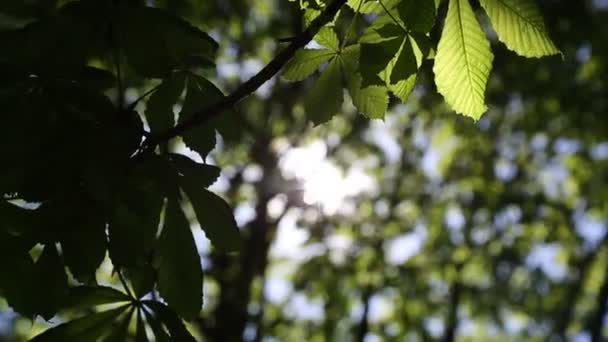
x: 159, y: 108
x: 215, y: 217
x: 50, y: 272
x: 89, y: 296
x: 199, y: 94
x: 87, y: 328
x: 180, y: 276
x: 84, y: 247
x: 156, y: 41
x: 197, y: 173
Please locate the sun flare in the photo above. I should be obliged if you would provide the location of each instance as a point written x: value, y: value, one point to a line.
x: 324, y: 183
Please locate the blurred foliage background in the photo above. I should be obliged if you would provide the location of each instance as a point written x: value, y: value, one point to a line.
x: 424, y: 226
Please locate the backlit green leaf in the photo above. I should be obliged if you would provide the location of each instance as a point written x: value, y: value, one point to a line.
x: 328, y: 38
x: 325, y: 98
x: 463, y: 61
x: 519, y: 25
x: 305, y: 62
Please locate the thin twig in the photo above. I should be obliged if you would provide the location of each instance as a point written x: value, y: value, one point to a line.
x: 202, y: 116
x: 389, y: 14
x: 351, y: 25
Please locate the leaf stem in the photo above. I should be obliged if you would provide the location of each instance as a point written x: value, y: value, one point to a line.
x: 132, y: 105
x: 389, y: 14
x: 351, y: 25
x: 124, y: 283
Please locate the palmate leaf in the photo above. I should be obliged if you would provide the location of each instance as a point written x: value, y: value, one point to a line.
x: 463, y: 61
x: 180, y: 276
x: 87, y: 328
x: 519, y: 25
x: 391, y: 56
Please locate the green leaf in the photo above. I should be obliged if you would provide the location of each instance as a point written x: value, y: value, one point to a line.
x: 214, y: 215
x: 200, y: 94
x: 159, y: 108
x: 202, y: 174
x: 156, y: 41
x: 375, y: 58
x: 463, y: 61
x: 325, y: 98
x: 84, y: 247
x: 328, y: 38
x: 372, y: 101
x: 50, y: 272
x: 305, y: 62
x: 172, y: 321
x: 405, y: 63
x: 87, y: 328
x: 180, y: 276
x: 418, y: 15
x: 403, y: 88
x: 519, y: 25
x: 89, y: 296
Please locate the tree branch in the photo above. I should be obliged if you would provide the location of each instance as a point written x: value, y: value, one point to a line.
x: 452, y: 318
x: 363, y: 327
x: 247, y: 88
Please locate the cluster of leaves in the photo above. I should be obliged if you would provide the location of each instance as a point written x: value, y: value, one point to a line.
x: 77, y: 181
x: 387, y: 56
x: 85, y: 175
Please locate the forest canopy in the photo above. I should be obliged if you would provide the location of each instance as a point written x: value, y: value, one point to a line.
x: 303, y: 170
